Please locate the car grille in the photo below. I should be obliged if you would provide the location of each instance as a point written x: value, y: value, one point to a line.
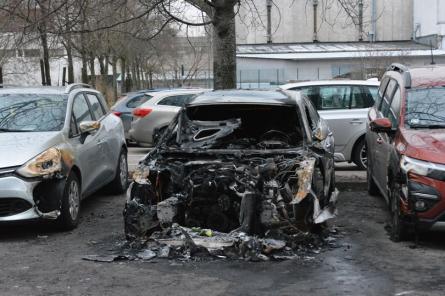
x: 12, y: 206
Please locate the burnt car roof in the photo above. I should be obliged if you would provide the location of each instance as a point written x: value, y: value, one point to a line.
x: 267, y: 97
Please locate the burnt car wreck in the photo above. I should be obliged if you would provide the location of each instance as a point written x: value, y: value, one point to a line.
x: 257, y: 163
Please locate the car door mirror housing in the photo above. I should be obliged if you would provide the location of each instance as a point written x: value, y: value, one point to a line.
x: 321, y: 132
x: 87, y: 127
x: 381, y: 125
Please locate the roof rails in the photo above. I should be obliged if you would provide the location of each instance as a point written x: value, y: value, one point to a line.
x: 73, y: 86
x: 404, y: 71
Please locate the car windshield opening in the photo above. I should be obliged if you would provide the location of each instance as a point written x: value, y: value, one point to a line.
x: 240, y: 126
x: 32, y: 112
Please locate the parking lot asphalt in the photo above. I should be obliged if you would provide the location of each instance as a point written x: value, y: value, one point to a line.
x: 38, y: 260
x: 135, y: 154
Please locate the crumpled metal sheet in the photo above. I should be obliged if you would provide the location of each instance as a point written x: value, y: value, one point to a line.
x: 305, y: 174
x: 329, y: 212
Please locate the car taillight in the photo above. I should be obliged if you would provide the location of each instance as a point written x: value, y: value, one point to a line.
x: 118, y: 114
x: 141, y: 112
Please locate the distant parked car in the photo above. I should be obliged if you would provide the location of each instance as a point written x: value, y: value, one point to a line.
x: 344, y: 104
x: 152, y: 118
x: 406, y: 148
x: 57, y: 146
x: 126, y: 104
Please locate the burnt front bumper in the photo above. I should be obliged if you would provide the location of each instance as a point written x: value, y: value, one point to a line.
x: 22, y: 199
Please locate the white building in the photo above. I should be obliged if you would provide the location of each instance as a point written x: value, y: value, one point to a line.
x: 429, y: 22
x: 298, y: 48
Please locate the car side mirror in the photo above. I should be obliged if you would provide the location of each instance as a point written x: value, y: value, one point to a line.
x: 381, y: 125
x: 321, y: 132
x: 88, y: 126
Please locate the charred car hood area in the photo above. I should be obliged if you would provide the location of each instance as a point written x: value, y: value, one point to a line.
x: 230, y: 174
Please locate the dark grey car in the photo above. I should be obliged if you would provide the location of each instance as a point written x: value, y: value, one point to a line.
x: 245, y: 160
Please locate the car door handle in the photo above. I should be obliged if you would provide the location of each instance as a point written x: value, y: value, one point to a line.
x: 356, y: 121
x: 379, y: 140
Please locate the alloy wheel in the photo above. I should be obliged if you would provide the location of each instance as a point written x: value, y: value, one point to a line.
x: 73, y: 199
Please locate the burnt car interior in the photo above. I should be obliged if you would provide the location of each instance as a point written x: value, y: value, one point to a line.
x: 240, y: 127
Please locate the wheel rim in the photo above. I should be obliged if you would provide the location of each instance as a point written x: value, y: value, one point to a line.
x: 364, y: 156
x: 73, y: 199
x: 123, y: 170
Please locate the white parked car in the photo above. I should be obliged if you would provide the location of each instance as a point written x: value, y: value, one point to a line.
x: 151, y: 118
x: 344, y: 104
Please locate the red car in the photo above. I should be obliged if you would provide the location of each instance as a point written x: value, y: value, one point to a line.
x: 406, y: 148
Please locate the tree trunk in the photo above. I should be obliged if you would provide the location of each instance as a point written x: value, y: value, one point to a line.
x: 101, y: 64
x: 84, y: 68
x: 92, y: 70
x: 44, y: 40
x: 107, y: 63
x: 114, y: 68
x: 69, y: 53
x: 123, y: 77
x: 41, y: 27
x: 224, y: 47
x: 150, y: 79
x: 134, y: 82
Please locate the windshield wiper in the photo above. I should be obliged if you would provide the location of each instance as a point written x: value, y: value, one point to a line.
x: 7, y: 130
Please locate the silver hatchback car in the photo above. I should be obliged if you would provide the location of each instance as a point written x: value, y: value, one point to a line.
x: 57, y: 146
x: 152, y: 117
x: 344, y: 104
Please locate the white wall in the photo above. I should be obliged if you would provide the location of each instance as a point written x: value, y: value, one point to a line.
x: 293, y: 20
x: 430, y: 16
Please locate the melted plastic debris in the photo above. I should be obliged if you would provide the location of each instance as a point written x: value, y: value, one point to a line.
x: 187, y: 244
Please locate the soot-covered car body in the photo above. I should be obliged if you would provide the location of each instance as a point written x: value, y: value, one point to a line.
x: 249, y: 161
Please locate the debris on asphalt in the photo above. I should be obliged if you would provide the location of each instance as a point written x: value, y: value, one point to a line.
x: 185, y: 244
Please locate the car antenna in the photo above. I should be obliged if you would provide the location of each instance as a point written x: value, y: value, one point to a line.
x: 432, y: 55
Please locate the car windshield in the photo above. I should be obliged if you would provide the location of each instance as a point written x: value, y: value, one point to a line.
x: 32, y: 112
x: 425, y: 108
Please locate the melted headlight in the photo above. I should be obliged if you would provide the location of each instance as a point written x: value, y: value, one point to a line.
x: 46, y: 163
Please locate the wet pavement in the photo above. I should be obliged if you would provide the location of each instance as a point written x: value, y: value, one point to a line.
x: 38, y: 261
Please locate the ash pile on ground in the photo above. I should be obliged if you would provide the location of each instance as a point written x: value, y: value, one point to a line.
x: 197, y: 244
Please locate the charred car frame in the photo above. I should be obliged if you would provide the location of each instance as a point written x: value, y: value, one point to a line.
x: 247, y: 161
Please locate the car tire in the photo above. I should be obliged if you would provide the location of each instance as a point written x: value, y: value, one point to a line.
x: 120, y: 182
x: 398, y: 228
x: 69, y: 212
x: 373, y: 190
x: 359, y: 155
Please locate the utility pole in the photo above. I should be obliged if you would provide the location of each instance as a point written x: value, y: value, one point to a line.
x: 315, y: 3
x: 269, y: 21
x: 360, y: 20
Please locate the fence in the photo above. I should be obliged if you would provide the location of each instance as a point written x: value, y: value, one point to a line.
x: 260, y: 78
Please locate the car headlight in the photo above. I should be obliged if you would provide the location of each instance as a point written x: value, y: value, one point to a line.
x: 46, y: 163
x: 423, y: 168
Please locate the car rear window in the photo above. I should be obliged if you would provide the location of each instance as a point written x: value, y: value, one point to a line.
x: 177, y: 100
x: 137, y: 101
x: 32, y: 112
